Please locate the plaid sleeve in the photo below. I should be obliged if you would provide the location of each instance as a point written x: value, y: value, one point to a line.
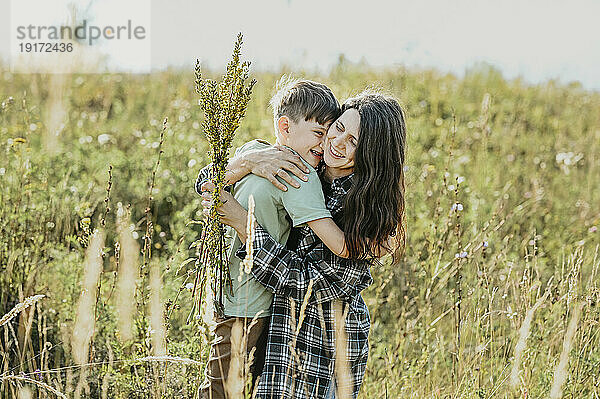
x: 204, y: 175
x: 284, y: 272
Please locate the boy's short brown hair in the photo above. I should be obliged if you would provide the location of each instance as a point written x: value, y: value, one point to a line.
x: 301, y: 98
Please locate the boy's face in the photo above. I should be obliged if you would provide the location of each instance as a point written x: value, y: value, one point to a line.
x: 304, y: 137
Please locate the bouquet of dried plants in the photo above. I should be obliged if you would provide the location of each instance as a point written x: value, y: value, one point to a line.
x: 224, y: 104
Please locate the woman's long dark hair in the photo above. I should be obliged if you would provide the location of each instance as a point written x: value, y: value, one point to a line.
x: 374, y: 206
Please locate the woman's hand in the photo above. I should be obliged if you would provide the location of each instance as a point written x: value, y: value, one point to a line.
x: 230, y: 212
x: 274, y: 161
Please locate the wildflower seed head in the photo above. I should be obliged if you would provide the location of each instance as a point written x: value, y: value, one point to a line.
x: 457, y: 207
x: 19, y: 308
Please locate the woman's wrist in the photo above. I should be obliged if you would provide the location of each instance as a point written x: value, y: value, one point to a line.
x: 237, y: 168
x: 245, y: 163
x: 240, y: 228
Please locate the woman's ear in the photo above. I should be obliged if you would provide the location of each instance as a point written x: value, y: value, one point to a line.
x: 283, y: 126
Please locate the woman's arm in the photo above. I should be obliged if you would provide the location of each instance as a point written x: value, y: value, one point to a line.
x: 332, y: 236
x: 284, y: 271
x: 235, y: 215
x: 268, y: 163
x: 236, y: 169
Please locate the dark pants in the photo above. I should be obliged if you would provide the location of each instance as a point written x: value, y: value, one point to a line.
x: 217, y: 369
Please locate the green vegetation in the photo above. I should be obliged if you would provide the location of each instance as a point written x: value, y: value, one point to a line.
x: 502, y: 249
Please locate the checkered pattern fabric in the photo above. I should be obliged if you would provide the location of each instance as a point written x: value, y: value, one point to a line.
x: 302, y: 365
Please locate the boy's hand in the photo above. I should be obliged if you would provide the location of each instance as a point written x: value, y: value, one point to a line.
x: 230, y: 212
x: 274, y: 161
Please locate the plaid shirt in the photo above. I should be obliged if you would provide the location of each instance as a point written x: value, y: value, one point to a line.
x: 308, y: 372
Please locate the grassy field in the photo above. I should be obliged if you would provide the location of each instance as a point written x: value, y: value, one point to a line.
x: 497, y: 294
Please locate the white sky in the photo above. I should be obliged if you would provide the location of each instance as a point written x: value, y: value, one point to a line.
x: 535, y: 39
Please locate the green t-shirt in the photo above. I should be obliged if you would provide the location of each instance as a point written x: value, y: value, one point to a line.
x: 276, y: 211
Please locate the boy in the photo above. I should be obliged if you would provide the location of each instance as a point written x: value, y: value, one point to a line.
x: 302, y: 111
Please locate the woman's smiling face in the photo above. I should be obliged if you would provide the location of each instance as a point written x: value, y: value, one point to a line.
x: 341, y: 141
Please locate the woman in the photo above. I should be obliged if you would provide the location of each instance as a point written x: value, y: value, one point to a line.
x: 363, y: 183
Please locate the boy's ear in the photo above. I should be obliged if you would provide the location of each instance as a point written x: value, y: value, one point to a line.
x: 283, y: 125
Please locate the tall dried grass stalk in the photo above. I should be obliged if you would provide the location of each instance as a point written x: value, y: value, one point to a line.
x: 105, y: 379
x: 523, y: 335
x: 84, y: 322
x: 342, y: 374
x: 295, y: 357
x: 575, y: 262
x: 303, y: 307
x: 35, y: 382
x: 25, y: 333
x: 83, y: 330
x: 239, y: 366
x: 19, y: 308
x: 156, y: 311
x: 55, y: 111
x: 66, y: 338
x: 249, y: 259
x: 234, y: 385
x: 147, y: 249
x: 128, y: 273
x: 25, y: 393
x: 157, y: 330
x: 561, y: 372
x: 207, y: 312
x: 172, y: 359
